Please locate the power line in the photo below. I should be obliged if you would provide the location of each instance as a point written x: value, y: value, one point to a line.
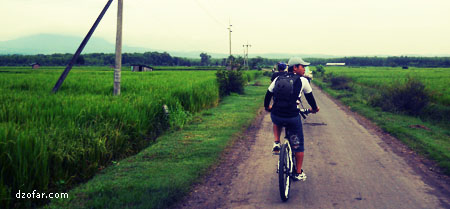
x: 209, y: 14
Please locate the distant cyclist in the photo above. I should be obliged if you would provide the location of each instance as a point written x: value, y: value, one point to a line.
x: 308, y: 74
x: 281, y: 70
x: 286, y: 90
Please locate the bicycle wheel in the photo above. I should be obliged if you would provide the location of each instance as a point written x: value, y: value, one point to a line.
x: 284, y: 180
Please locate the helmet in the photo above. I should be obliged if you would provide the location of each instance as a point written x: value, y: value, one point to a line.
x: 281, y: 66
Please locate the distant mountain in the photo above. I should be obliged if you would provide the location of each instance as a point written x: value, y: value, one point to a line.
x: 55, y: 43
x: 51, y: 43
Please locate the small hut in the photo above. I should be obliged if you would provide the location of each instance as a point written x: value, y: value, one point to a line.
x: 35, y: 65
x: 335, y: 64
x: 140, y: 68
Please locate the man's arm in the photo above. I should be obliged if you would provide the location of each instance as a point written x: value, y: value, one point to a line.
x: 274, y: 75
x: 269, y: 95
x: 312, y: 102
x: 267, y: 100
x: 307, y: 91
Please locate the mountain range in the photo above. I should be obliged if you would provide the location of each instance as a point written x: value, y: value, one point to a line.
x: 52, y: 43
x: 55, y: 43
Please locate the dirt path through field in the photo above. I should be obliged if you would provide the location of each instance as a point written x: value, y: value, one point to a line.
x: 348, y: 164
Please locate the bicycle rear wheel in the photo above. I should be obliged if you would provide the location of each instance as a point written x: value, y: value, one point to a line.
x: 284, y: 179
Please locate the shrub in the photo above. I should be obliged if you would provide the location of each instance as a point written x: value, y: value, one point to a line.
x: 267, y: 73
x: 230, y: 81
x: 178, y: 117
x: 222, y: 80
x: 327, y: 77
x: 436, y: 112
x: 320, y: 70
x: 340, y: 83
x: 410, y: 97
x: 236, y: 81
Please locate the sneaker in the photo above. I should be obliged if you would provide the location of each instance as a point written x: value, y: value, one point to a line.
x: 300, y: 176
x: 276, y: 147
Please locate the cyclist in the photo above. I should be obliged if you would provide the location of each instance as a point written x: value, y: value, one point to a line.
x: 308, y: 74
x: 285, y: 111
x: 281, y: 70
x: 281, y: 66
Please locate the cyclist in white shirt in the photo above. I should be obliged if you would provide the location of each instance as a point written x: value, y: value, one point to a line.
x: 285, y: 111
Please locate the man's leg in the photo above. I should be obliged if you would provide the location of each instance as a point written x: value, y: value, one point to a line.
x: 277, y: 132
x: 300, y: 150
x: 299, y: 158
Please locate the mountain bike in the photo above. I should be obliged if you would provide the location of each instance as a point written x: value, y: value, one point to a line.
x: 286, y: 163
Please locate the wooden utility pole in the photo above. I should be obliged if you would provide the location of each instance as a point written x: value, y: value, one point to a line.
x: 229, y: 36
x: 118, y: 65
x: 246, y: 55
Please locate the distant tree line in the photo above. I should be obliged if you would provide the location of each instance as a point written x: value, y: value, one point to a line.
x: 147, y: 58
x: 165, y: 59
x: 97, y: 59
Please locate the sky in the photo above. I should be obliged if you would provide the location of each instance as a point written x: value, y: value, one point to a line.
x: 331, y: 27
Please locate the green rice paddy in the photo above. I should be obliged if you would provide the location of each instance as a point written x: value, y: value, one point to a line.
x: 49, y: 141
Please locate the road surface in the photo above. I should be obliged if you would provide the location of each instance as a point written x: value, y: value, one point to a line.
x: 348, y: 166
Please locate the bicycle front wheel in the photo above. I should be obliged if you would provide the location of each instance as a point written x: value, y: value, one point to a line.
x: 284, y: 179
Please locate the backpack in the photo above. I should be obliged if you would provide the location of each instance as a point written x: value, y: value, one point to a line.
x: 283, y: 91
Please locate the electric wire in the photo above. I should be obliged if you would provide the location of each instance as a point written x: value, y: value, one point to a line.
x: 221, y: 24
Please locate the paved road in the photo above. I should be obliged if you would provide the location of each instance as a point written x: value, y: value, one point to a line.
x: 348, y: 166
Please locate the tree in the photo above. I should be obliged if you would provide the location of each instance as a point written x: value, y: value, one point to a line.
x: 80, y: 60
x: 205, y: 58
x: 255, y: 62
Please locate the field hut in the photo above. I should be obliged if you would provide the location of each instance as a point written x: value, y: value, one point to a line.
x: 335, y: 64
x: 35, y: 65
x: 140, y: 68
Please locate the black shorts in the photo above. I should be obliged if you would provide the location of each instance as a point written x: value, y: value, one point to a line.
x: 294, y: 125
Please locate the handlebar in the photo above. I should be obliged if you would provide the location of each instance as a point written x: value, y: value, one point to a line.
x: 304, y: 112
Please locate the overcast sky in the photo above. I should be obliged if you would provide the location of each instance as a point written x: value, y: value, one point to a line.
x: 344, y: 27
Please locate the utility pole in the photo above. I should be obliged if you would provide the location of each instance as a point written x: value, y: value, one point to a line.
x: 229, y: 29
x: 118, y: 65
x: 246, y: 54
x: 230, y: 36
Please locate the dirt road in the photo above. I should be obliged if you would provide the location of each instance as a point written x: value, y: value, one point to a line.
x: 348, y: 164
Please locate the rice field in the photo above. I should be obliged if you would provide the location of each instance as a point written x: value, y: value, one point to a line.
x: 432, y: 138
x: 436, y: 80
x: 51, y: 141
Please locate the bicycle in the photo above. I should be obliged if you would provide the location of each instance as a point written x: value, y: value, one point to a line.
x: 286, y: 163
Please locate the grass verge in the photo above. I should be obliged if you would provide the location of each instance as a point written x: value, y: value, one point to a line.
x: 427, y: 138
x: 164, y: 172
